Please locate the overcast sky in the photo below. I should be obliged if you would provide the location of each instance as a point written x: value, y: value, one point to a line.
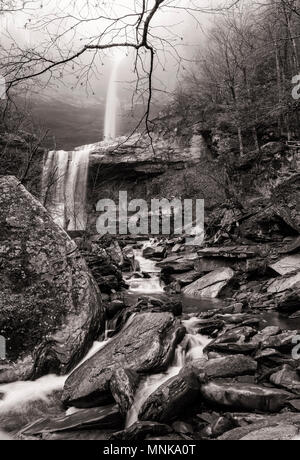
x: 185, y: 31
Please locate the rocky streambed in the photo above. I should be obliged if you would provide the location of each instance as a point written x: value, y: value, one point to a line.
x: 182, y: 345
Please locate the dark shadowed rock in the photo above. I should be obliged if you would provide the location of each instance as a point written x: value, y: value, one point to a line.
x: 99, y: 417
x: 50, y: 306
x: 243, y: 396
x: 123, y: 386
x: 199, y: 371
x: 290, y: 302
x: 168, y: 401
x: 140, y: 430
x: 222, y: 425
x: 147, y: 344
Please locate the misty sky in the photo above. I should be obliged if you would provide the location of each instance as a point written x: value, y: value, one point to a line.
x: 34, y: 27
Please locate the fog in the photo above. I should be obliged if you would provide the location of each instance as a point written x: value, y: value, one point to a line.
x: 40, y: 22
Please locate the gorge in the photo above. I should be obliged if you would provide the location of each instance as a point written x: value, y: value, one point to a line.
x: 146, y: 337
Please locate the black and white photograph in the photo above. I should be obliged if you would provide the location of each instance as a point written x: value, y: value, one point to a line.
x: 149, y: 223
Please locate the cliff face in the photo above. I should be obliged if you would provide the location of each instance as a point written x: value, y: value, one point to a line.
x: 161, y: 167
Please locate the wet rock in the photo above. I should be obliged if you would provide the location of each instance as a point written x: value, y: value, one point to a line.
x: 130, y: 263
x: 107, y: 274
x: 182, y: 428
x: 202, y: 370
x: 222, y: 425
x: 140, y: 430
x: 152, y: 304
x: 290, y: 302
x: 51, y: 309
x: 287, y: 265
x: 210, y: 326
x: 177, y: 264
x: 157, y: 252
x: 287, y: 378
x: 210, y: 285
x: 279, y: 427
x: 168, y: 401
x: 242, y: 396
x: 185, y: 278
x: 116, y: 254
x: 265, y: 334
x: 123, y: 386
x: 113, y: 308
x: 234, y: 340
x: 283, y: 342
x: 146, y: 344
x: 99, y: 417
x: 284, y: 283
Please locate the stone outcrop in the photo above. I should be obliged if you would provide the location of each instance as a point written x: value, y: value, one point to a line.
x: 145, y: 345
x: 210, y: 285
x: 50, y: 306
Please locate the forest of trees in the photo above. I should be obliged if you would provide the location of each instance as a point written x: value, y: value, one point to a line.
x: 245, y: 76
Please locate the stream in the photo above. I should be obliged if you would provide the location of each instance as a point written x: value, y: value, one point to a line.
x: 18, y: 396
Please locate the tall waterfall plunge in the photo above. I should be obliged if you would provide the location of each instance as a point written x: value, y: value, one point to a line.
x: 112, y: 103
x: 64, y: 187
x: 65, y: 173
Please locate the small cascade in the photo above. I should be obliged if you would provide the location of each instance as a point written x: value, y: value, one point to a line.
x: 64, y: 187
x: 152, y: 285
x: 112, y: 103
x: 189, y: 350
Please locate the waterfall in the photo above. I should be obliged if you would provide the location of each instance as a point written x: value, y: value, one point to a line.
x: 112, y: 102
x: 64, y: 187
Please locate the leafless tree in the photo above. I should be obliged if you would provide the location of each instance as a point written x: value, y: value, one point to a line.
x: 70, y: 44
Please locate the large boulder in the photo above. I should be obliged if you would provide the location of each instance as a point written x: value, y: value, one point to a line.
x: 210, y: 285
x: 50, y: 305
x: 146, y: 345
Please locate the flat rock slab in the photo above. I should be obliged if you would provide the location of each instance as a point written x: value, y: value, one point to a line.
x: 146, y: 345
x: 287, y: 265
x: 200, y: 370
x: 230, y: 252
x: 283, y: 284
x: 210, y: 285
x: 242, y: 396
x: 99, y: 417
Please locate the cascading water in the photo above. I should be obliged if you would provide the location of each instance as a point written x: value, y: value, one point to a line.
x: 147, y: 285
x: 189, y: 350
x: 64, y: 187
x: 112, y: 103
